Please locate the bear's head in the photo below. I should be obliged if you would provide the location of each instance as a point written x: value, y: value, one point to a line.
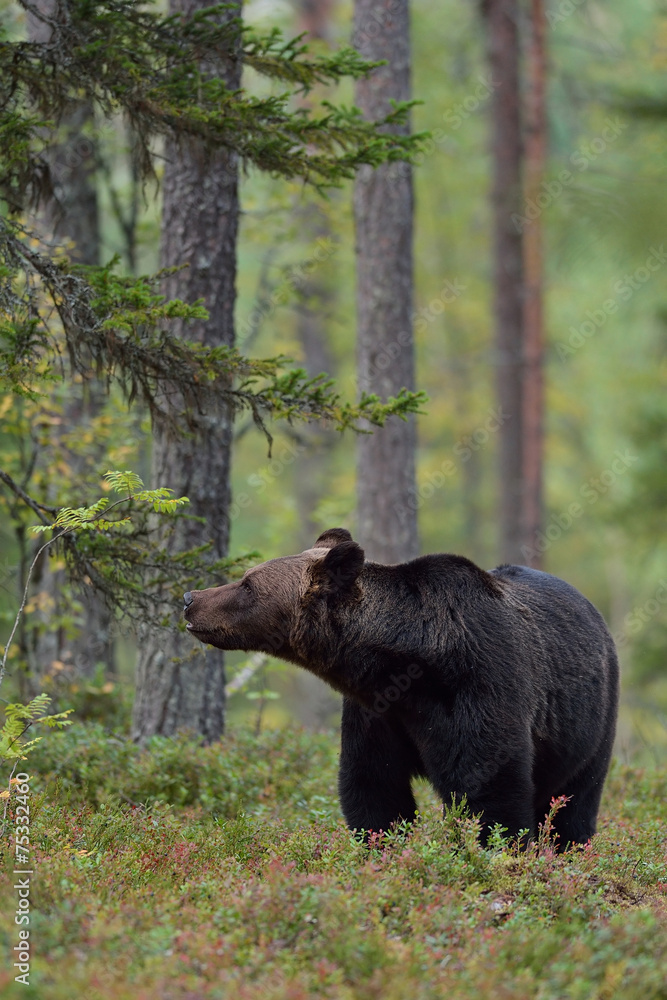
x: 260, y: 611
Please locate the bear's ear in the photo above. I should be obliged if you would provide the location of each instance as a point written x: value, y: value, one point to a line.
x: 336, y: 574
x: 331, y: 537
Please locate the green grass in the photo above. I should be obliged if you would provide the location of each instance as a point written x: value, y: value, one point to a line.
x: 190, y: 872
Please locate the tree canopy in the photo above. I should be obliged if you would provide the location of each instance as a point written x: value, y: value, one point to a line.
x: 164, y: 76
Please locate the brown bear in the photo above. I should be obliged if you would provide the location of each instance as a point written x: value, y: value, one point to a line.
x: 499, y: 685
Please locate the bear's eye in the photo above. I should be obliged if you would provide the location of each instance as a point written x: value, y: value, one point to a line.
x: 246, y: 585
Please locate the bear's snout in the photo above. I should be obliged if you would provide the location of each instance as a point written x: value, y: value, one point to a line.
x: 187, y: 600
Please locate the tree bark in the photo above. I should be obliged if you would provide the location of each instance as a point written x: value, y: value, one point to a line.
x: 506, y: 197
x: 533, y: 388
x: 315, y: 296
x: 315, y: 702
x: 180, y: 685
x: 383, y: 211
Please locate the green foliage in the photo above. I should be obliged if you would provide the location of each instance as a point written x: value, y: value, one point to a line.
x: 124, y: 482
x: 117, y: 328
x: 181, y: 869
x: 90, y: 518
x: 93, y: 699
x: 71, y: 524
x: 168, y: 76
x: 606, y: 396
x: 180, y: 772
x: 19, y: 719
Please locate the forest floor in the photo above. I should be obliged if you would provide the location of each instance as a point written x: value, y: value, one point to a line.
x: 187, y: 872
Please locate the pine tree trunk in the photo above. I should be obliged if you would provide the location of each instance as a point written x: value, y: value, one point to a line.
x: 315, y: 296
x: 180, y: 684
x: 383, y: 210
x: 533, y: 388
x: 315, y: 702
x: 504, y: 62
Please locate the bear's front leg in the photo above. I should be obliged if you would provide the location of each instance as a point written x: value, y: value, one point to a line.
x: 377, y: 762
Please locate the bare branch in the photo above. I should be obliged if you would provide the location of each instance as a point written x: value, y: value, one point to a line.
x: 22, y: 495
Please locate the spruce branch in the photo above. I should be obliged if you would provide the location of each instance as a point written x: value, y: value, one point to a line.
x: 117, y: 329
x: 167, y: 76
x: 94, y: 517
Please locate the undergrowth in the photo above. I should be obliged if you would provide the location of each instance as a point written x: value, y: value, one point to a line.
x: 186, y: 872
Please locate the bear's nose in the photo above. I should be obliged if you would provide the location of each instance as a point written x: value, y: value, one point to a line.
x: 188, y: 599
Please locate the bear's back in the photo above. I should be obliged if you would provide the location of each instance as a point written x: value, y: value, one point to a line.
x: 577, y: 646
x: 543, y: 592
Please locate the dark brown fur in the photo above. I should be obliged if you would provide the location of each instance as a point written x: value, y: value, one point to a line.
x: 499, y: 685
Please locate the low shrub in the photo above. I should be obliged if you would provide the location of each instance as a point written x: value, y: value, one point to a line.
x: 184, y: 871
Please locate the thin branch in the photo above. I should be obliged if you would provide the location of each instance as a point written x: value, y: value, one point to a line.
x: 24, y: 601
x: 61, y: 534
x: 33, y: 504
x: 7, y: 800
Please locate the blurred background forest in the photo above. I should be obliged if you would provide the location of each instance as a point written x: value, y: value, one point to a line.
x: 605, y: 367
